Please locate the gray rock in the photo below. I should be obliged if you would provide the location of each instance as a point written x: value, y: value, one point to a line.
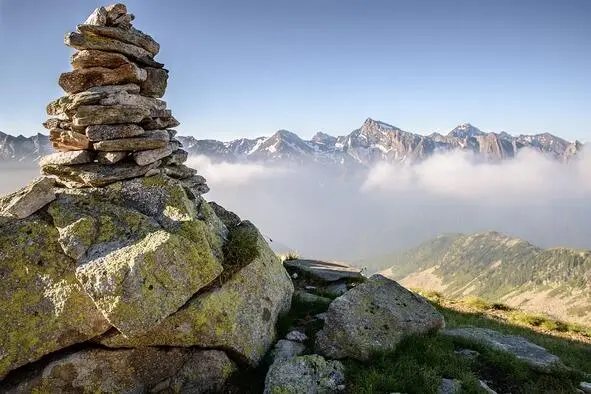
x: 28, y: 200
x: 177, y: 158
x: 146, y: 157
x: 324, y: 271
x: 133, y: 36
x: 285, y: 350
x: 229, y: 218
x: 95, y: 175
x: 149, y: 140
x: 321, y: 316
x: 108, y: 158
x: 534, y: 355
x: 305, y: 375
x: 449, y: 386
x: 585, y: 387
x: 335, y: 289
x: 131, y: 371
x: 309, y: 298
x: 84, y: 78
x: 98, y: 17
x: 112, y: 132
x: 296, y: 336
x: 485, y: 387
x: 87, y: 115
x: 87, y: 41
x: 160, y: 123
x: 125, y: 98
x: 179, y: 171
x: 155, y: 83
x: 374, y: 316
x: 239, y: 316
x: 68, y: 158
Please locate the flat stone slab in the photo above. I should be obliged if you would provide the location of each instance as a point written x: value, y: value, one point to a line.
x: 324, y: 271
x: 30, y: 199
x: 146, y: 157
x: 81, y: 79
x: 95, y: 175
x: 68, y: 158
x: 151, y: 140
x: 103, y: 132
x: 533, y: 355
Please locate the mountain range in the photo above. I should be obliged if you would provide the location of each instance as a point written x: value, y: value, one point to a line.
x: 498, y: 268
x: 373, y: 142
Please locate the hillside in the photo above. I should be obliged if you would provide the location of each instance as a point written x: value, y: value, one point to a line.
x: 363, y: 147
x: 498, y: 268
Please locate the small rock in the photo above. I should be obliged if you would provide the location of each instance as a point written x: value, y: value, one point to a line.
x: 177, y: 158
x: 449, y: 386
x: 321, y: 316
x: 151, y: 140
x: 305, y: 374
x: 110, y: 157
x: 30, y: 199
x: 335, y: 289
x: 113, y: 132
x: 285, y: 350
x: 98, y: 17
x: 468, y: 353
x: 68, y: 158
x: 294, y: 275
x: 67, y: 140
x: 485, y: 387
x: 155, y: 83
x: 297, y: 336
x: 160, y: 123
x: 146, y: 157
x: 84, y: 78
x: 586, y: 387
x: 179, y: 172
x: 309, y: 298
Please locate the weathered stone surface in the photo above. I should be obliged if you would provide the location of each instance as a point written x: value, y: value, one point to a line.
x: 534, y: 355
x: 138, y: 285
x: 240, y: 315
x: 98, y: 17
x: 93, y: 58
x: 124, y: 98
x: 87, y: 41
x: 309, y: 298
x: 285, y: 350
x: 229, y: 218
x: 110, y: 157
x: 305, y: 374
x: 112, y: 132
x: 324, y: 271
x: 67, y: 104
x: 179, y: 171
x: 585, y: 387
x: 29, y: 199
x: 196, y: 184
x: 374, y: 316
x: 87, y: 115
x: 150, y: 140
x: 95, y: 175
x: 176, y: 158
x: 335, y: 289
x: 149, y: 156
x: 160, y: 123
x: 114, y: 11
x: 449, y: 386
x: 84, y: 78
x: 43, y: 306
x: 66, y: 140
x: 68, y: 158
x: 155, y: 83
x: 296, y: 336
x: 131, y: 371
x: 133, y: 36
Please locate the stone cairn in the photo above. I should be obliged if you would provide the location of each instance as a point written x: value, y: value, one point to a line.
x: 112, y: 124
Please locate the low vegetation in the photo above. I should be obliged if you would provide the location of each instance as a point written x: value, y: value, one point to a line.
x: 291, y: 255
x: 240, y: 249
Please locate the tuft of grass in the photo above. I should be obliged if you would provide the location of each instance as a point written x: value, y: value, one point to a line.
x: 477, y: 303
x: 291, y: 255
x: 240, y: 249
x: 431, y: 295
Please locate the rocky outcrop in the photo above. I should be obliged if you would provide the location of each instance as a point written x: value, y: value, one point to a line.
x: 112, y: 125
x: 374, y: 316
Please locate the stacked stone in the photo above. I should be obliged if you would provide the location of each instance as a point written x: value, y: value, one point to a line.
x: 112, y: 124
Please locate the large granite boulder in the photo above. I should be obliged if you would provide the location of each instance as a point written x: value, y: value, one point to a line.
x: 239, y: 315
x: 374, y: 316
x: 131, y: 371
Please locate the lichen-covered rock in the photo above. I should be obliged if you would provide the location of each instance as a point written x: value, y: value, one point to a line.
x: 87, y: 115
x: 29, y: 199
x: 286, y: 349
x: 305, y: 375
x: 240, y: 315
x: 43, y: 306
x: 374, y: 316
x: 68, y: 158
x: 95, y: 175
x: 132, y: 36
x: 84, y: 78
x: 149, y: 140
x: 130, y: 371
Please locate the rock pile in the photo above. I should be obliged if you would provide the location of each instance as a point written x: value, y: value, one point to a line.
x: 112, y: 124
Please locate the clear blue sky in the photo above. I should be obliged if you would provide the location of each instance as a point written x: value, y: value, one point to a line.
x: 248, y: 68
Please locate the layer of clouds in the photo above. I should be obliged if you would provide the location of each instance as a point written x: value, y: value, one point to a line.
x: 327, y: 214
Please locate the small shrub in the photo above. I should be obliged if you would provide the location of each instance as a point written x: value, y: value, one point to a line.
x: 497, y: 306
x: 477, y: 303
x: 291, y: 255
x: 240, y: 249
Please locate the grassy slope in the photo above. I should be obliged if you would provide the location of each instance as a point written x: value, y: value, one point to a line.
x: 492, y: 266
x: 419, y: 363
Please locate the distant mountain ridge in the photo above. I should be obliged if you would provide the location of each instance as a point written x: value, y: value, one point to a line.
x: 496, y: 267
x: 373, y: 142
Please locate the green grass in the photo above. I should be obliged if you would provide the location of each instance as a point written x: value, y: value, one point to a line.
x: 240, y: 249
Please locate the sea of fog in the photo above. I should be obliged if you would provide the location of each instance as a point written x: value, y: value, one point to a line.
x: 321, y: 214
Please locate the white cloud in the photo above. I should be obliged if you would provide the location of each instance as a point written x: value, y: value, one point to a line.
x: 231, y: 173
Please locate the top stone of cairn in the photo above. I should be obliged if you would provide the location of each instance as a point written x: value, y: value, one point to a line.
x: 112, y: 124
